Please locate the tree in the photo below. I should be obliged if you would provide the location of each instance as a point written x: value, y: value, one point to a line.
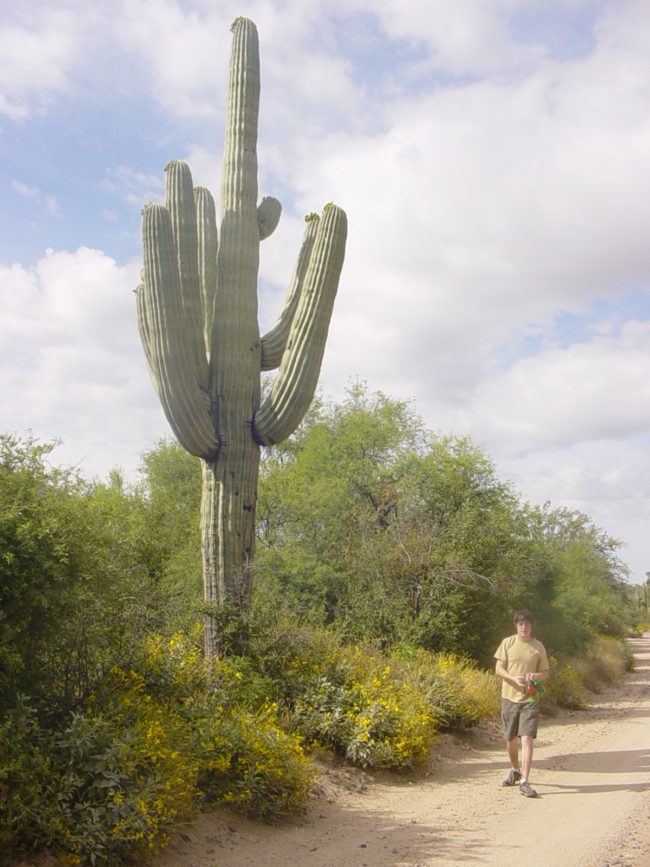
x: 585, y: 581
x: 197, y: 312
x: 374, y: 524
x: 393, y: 534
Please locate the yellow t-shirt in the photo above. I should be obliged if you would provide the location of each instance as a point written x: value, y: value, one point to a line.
x: 520, y: 657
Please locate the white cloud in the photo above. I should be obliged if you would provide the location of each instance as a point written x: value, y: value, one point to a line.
x: 36, y: 60
x: 609, y: 481
x: 480, y: 212
x: 464, y: 37
x: 185, y: 49
x: 46, y: 201
x: 134, y: 187
x: 29, y: 192
x: 71, y: 359
x: 598, y: 389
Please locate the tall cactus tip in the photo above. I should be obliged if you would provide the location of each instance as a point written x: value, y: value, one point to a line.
x: 239, y: 20
x: 309, y: 218
x: 172, y: 164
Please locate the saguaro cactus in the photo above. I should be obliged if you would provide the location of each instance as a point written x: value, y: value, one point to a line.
x: 197, y: 313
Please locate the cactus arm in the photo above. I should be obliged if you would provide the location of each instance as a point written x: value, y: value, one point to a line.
x: 275, y: 340
x: 182, y: 212
x: 206, y: 224
x: 144, y: 326
x: 268, y: 216
x: 179, y: 200
x: 178, y: 373
x: 294, y: 388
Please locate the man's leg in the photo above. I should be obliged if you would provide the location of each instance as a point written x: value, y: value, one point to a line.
x: 526, y: 761
x: 513, y: 753
x: 526, y: 755
x: 510, y: 719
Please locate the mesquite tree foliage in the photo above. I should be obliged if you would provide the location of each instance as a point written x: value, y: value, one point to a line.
x: 197, y: 313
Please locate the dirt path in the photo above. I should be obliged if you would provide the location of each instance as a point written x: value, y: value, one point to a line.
x: 592, y: 772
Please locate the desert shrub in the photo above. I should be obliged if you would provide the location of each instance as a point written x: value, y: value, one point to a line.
x: 124, y: 779
x: 565, y: 688
x: 244, y: 757
x: 102, y: 788
x: 606, y: 663
x: 25, y: 768
x: 629, y: 659
x: 348, y: 698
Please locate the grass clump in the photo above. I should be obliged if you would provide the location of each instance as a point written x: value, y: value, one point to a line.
x: 606, y: 662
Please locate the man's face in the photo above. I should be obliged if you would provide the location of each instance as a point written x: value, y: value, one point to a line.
x: 524, y: 629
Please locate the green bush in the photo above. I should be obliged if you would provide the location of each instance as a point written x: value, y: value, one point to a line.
x: 25, y: 771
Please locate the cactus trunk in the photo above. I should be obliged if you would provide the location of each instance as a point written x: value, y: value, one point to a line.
x: 228, y: 533
x: 197, y: 312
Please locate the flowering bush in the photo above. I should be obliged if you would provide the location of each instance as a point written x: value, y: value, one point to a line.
x: 462, y: 693
x: 145, y: 755
x: 249, y: 762
x: 376, y: 710
x: 373, y: 720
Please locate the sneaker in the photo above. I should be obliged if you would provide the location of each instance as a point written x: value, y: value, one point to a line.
x: 512, y: 779
x: 527, y: 790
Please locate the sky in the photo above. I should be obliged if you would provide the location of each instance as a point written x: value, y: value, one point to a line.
x: 493, y: 159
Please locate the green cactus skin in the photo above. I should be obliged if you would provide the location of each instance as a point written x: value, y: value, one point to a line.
x: 197, y: 314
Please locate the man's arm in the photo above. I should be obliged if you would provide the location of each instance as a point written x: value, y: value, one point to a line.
x: 518, y: 682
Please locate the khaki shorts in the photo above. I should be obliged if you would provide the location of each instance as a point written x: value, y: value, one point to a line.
x: 519, y: 718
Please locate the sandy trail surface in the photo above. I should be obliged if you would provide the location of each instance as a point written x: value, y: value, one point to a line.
x: 591, y: 769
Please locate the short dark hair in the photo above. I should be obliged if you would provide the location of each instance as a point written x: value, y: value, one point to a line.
x: 523, y: 614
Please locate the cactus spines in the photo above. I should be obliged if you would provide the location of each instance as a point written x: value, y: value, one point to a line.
x: 197, y: 313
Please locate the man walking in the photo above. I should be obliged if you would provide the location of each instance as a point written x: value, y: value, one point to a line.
x: 521, y: 660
